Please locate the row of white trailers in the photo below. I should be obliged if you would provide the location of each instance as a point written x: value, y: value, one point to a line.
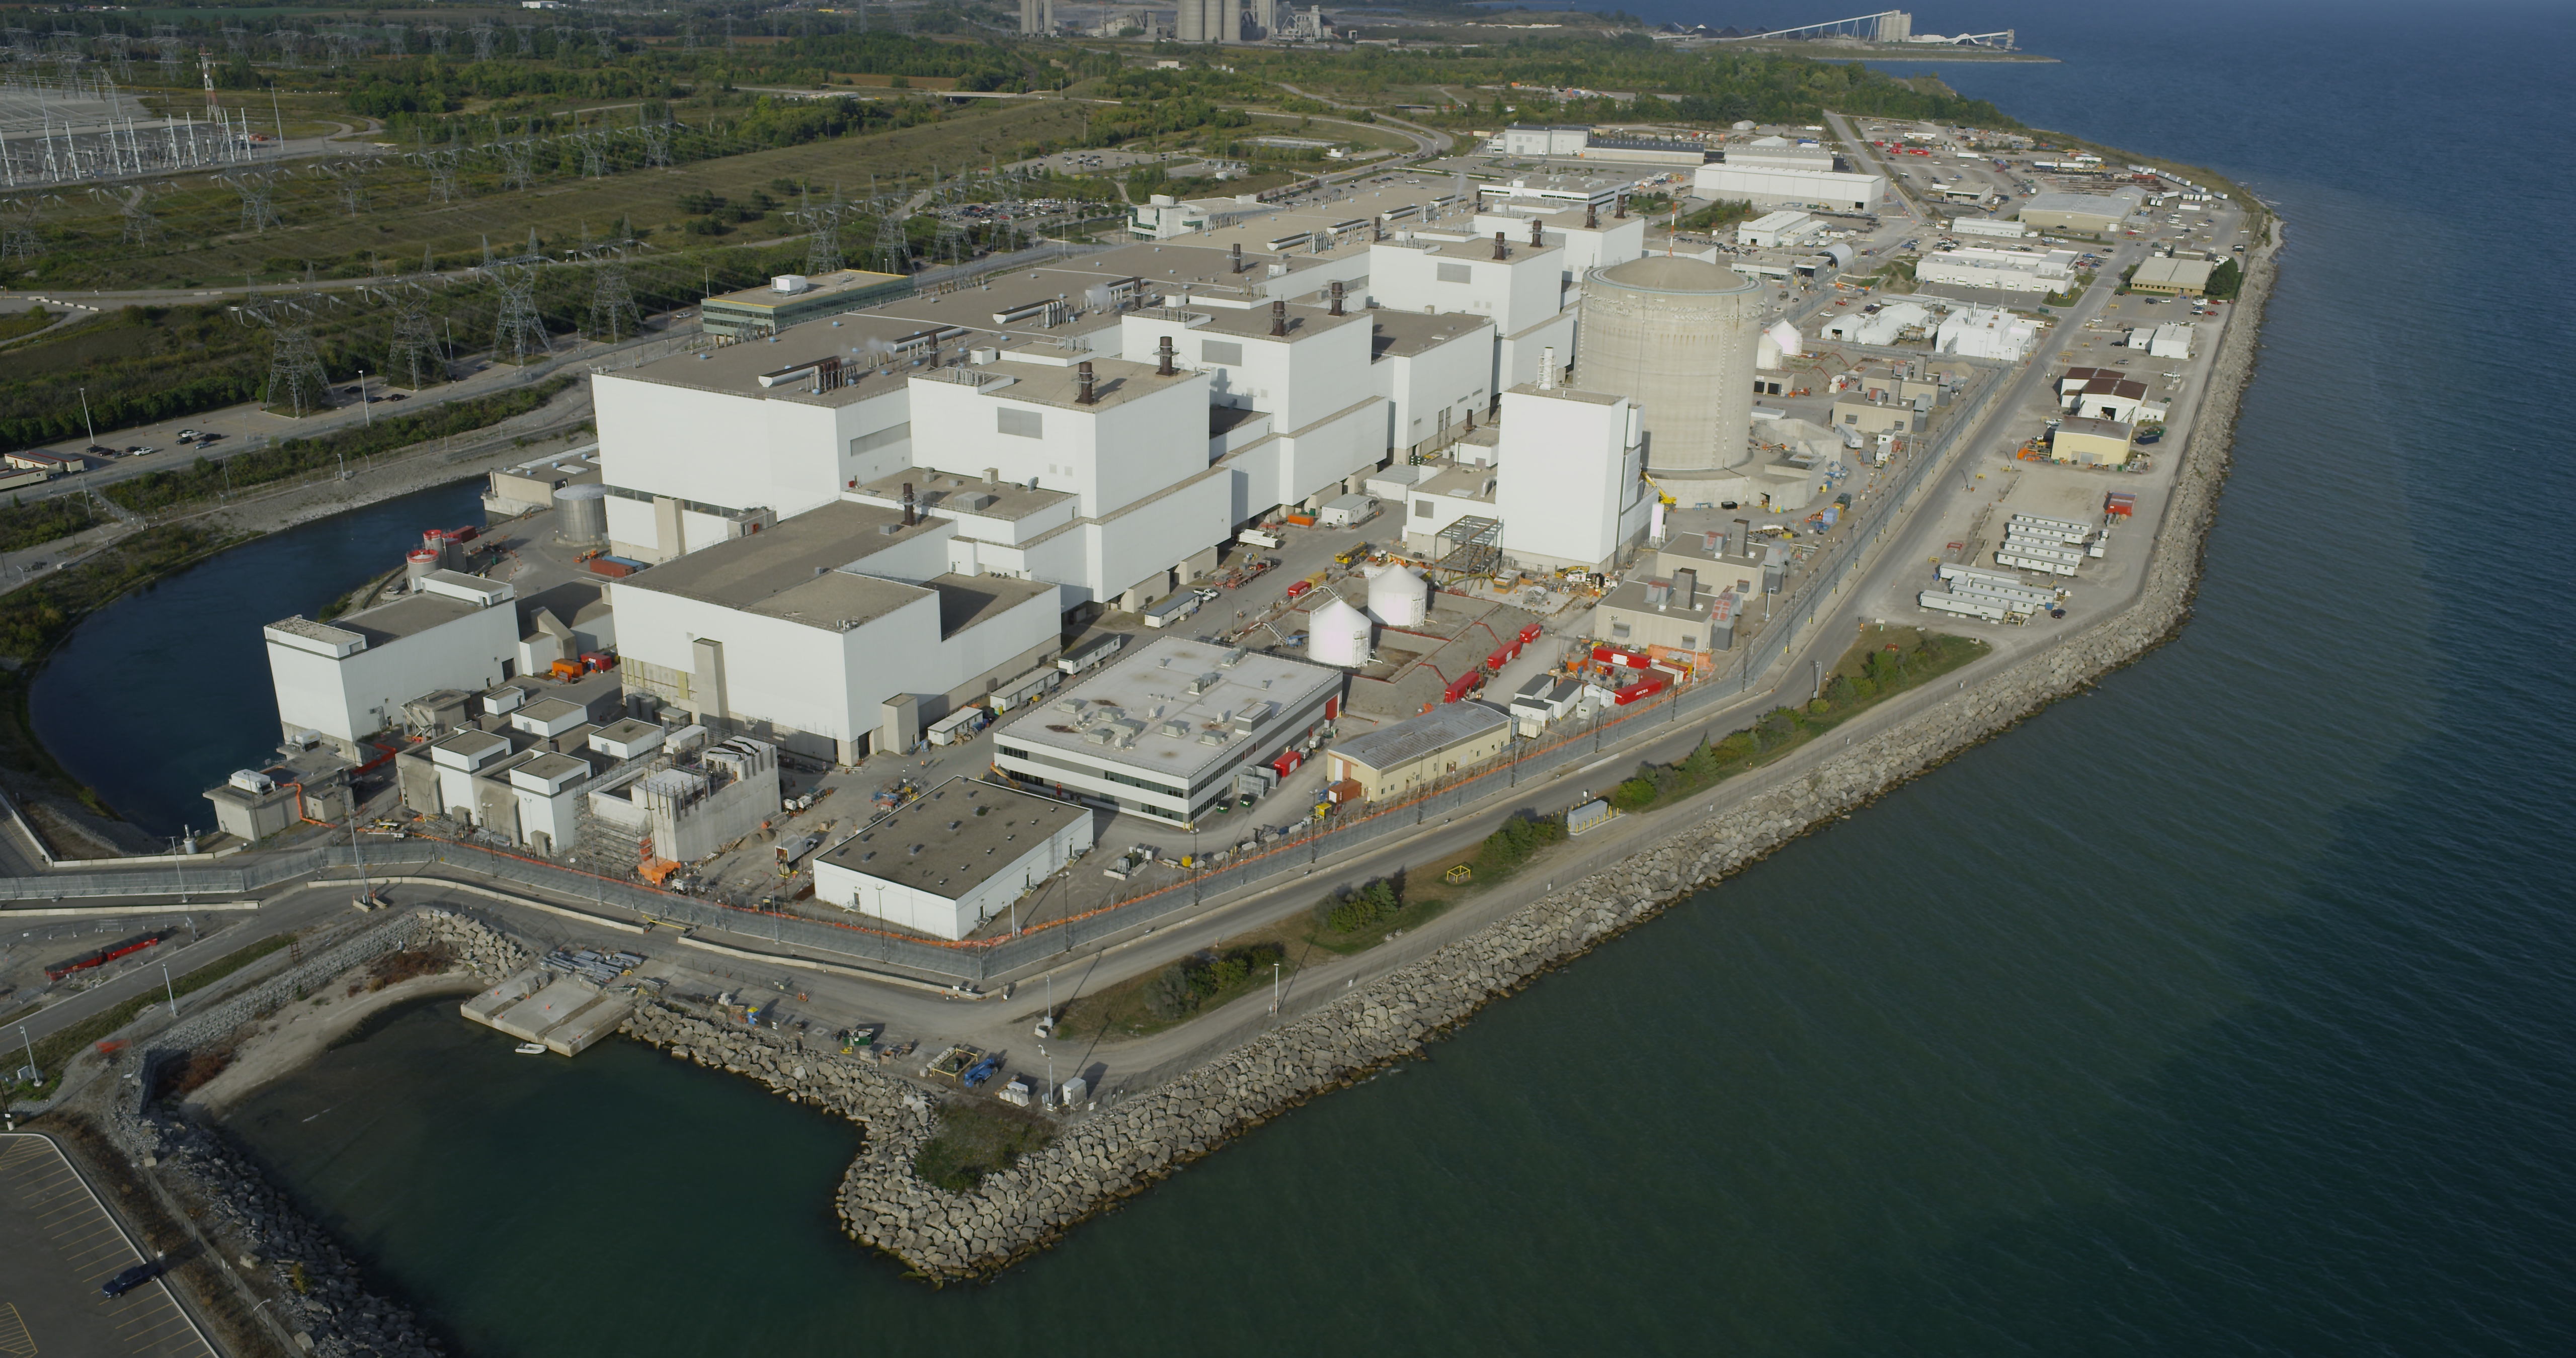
x: 1988, y: 595
x: 2052, y: 546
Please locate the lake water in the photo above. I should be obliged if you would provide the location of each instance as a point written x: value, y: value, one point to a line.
x: 2224, y: 1010
x: 165, y: 692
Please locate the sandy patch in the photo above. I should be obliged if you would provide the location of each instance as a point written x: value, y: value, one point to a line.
x: 285, y: 1040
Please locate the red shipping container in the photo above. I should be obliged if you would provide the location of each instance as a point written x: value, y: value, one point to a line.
x: 610, y: 566
x: 1612, y: 655
x: 1461, y: 686
x: 1633, y: 692
x: 1529, y: 633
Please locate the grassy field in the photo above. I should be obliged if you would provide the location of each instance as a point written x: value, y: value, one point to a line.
x: 1131, y: 1008
x: 202, y: 241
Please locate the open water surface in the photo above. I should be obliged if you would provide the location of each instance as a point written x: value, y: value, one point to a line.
x: 165, y: 692
x: 2224, y: 1010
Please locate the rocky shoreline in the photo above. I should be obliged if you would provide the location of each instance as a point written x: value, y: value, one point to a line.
x: 320, y: 1294
x: 1103, y: 1156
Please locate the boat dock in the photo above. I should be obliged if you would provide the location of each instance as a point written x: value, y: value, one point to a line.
x: 567, y: 1013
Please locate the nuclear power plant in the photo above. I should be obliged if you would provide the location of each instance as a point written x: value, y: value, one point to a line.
x: 1679, y: 336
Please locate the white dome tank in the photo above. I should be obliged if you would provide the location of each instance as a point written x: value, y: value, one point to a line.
x: 1338, y: 634
x: 1397, y: 597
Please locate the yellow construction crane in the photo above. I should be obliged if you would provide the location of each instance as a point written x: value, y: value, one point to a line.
x: 1660, y: 492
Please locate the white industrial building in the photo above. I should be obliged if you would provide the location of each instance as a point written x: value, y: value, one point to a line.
x: 948, y: 863
x: 1780, y: 153
x: 831, y: 634
x: 1570, y: 491
x: 1985, y: 332
x: 1881, y: 327
x: 1166, y: 730
x: 347, y: 679
x: 2099, y: 213
x: 1526, y: 139
x: 1989, y: 226
x: 1775, y: 230
x: 1771, y: 185
x: 2004, y: 270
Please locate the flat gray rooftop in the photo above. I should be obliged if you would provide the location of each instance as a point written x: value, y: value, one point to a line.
x: 1417, y: 737
x: 953, y: 840
x: 1404, y: 334
x: 1151, y: 686
x: 1007, y: 500
x: 407, y: 616
x: 750, y: 570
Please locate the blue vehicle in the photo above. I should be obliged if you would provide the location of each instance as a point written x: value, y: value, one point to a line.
x: 983, y: 1071
x: 130, y: 1279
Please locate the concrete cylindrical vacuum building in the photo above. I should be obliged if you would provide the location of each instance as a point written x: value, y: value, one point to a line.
x: 1678, y: 336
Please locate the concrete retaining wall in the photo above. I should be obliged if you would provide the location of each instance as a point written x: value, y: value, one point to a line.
x: 1109, y: 1154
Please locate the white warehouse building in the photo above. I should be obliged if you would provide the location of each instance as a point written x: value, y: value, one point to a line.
x: 1771, y: 185
x: 348, y: 678
x: 2007, y: 270
x: 830, y: 635
x: 948, y: 863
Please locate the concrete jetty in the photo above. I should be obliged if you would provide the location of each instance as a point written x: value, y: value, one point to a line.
x: 565, y: 1013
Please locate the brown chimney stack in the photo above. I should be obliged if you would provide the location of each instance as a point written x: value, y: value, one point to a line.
x: 1591, y: 216
x: 907, y: 504
x: 1337, y: 297
x: 1163, y: 358
x: 1082, y: 373
x: 1500, y: 251
x: 1623, y: 207
x: 1234, y: 258
x: 1278, y: 318
x: 1538, y: 235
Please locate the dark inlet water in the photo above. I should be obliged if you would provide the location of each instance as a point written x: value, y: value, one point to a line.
x: 2225, y: 1010
x: 165, y: 692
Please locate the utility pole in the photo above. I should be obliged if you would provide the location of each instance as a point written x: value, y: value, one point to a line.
x: 1274, y: 988
x: 31, y: 1075
x: 169, y: 990
x: 85, y: 420
x: 365, y: 406
x: 367, y: 889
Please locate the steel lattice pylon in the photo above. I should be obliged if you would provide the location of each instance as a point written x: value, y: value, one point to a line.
x: 613, y: 313
x: 258, y: 213
x: 518, y: 330
x: 892, y: 252
x: 18, y: 232
x: 296, y: 379
x: 412, y: 350
x: 823, y: 249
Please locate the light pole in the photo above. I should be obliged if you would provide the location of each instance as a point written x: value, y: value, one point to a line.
x: 31, y: 1075
x: 85, y: 420
x: 169, y: 990
x: 365, y: 407
x: 1274, y: 988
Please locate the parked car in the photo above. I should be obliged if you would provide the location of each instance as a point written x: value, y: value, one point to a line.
x: 130, y: 1279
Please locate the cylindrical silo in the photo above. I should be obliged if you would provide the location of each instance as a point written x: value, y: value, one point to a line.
x: 1397, y: 597
x: 420, y: 561
x: 1677, y: 335
x: 1338, y: 634
x: 581, y: 516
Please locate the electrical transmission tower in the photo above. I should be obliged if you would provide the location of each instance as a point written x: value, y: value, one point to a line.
x: 296, y: 380
x: 437, y: 36
x: 442, y: 174
x: 527, y: 39
x: 518, y: 163
x: 412, y: 352
x: 657, y: 143
x: 517, y: 328
x: 395, y: 36
x: 258, y: 211
x: 823, y: 249
x: 892, y: 252
x: 140, y: 226
x: 351, y: 190
x: 613, y: 313
x: 18, y: 232
x: 594, y: 164
x: 482, y: 31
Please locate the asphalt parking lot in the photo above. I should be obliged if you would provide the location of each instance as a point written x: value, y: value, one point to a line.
x: 57, y: 1244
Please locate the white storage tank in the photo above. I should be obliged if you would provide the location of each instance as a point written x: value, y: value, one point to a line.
x: 1397, y: 597
x: 581, y: 516
x: 420, y: 561
x: 1338, y: 634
